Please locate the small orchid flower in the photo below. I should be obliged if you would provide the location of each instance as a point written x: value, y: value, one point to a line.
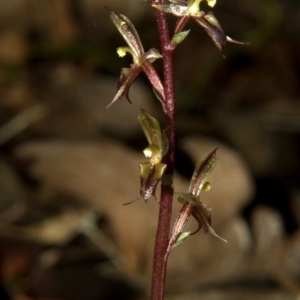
x: 192, y: 204
x: 191, y: 9
x: 142, y: 61
x: 153, y: 170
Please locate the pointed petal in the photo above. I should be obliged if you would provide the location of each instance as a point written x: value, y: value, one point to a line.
x: 215, y: 32
x: 126, y: 79
x: 177, y: 10
x: 230, y: 40
x: 152, y: 130
x: 203, y: 216
x: 128, y: 32
x: 201, y: 173
x: 182, y: 219
x: 180, y: 223
x: 213, y: 21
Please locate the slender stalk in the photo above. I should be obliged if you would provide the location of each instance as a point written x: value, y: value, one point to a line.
x: 165, y: 211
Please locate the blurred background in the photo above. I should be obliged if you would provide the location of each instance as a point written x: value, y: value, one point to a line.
x: 66, y: 166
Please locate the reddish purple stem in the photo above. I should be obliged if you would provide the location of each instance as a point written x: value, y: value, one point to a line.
x: 165, y: 211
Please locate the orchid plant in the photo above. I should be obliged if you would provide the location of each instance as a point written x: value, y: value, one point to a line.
x: 160, y: 152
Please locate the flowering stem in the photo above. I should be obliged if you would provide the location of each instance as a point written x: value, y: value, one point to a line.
x: 165, y: 211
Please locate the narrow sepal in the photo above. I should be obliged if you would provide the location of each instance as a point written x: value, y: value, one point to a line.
x: 128, y: 32
x: 180, y: 223
x: 153, y: 77
x: 201, y: 173
x: 230, y: 40
x: 213, y: 29
x: 128, y: 76
x: 152, y: 130
x: 203, y: 216
x: 177, y: 10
